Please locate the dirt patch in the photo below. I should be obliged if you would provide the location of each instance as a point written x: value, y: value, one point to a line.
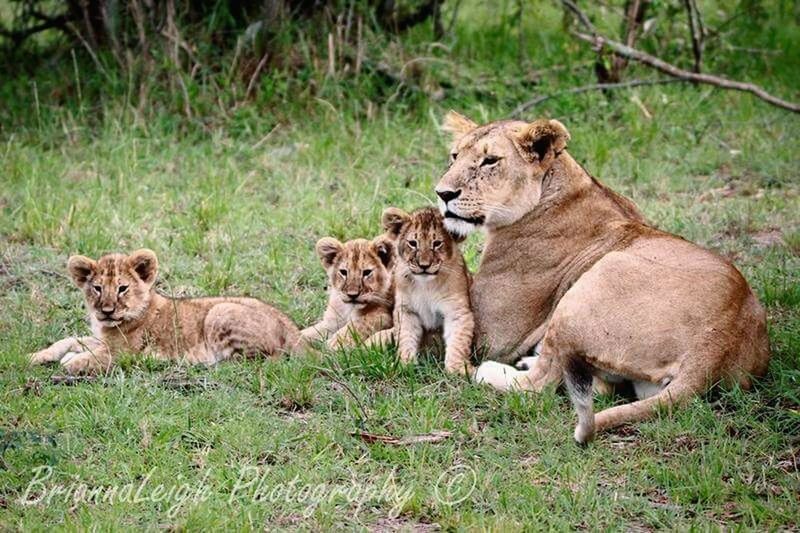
x: 789, y: 461
x: 402, y: 524
x: 767, y: 237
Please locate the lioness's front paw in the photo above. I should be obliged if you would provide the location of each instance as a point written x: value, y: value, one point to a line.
x: 526, y: 363
x: 81, y: 363
x: 500, y: 376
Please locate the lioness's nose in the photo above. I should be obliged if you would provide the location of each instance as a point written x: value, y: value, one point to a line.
x: 446, y: 196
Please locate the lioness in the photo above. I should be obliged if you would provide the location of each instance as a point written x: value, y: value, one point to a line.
x: 573, y: 265
x: 127, y: 314
x: 431, y: 288
x: 360, y: 292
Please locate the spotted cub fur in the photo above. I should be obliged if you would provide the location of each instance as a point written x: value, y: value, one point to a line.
x: 128, y: 315
x: 360, y: 292
x: 431, y: 288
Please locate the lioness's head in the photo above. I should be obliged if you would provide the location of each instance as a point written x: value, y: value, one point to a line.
x: 359, y: 270
x: 422, y: 242
x: 117, y: 287
x: 495, y: 172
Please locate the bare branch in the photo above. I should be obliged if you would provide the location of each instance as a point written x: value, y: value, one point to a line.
x: 520, y: 109
x: 696, y: 30
x: 631, y: 53
x: 634, y: 17
x: 17, y: 36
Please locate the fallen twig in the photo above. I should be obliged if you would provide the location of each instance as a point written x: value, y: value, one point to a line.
x: 185, y: 384
x: 71, y: 380
x: 631, y: 53
x: 433, y: 436
x: 587, y: 88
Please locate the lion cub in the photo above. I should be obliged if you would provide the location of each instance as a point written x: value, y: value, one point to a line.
x: 127, y: 314
x: 431, y: 288
x: 360, y: 293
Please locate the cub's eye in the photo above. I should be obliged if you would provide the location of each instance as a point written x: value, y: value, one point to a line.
x: 367, y: 272
x: 412, y: 244
x: 437, y: 244
x: 453, y: 156
x: 343, y: 272
x: 97, y: 288
x: 489, y: 160
x: 122, y: 289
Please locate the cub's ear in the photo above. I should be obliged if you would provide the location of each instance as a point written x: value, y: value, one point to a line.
x: 384, y: 248
x: 543, y: 139
x: 393, y: 219
x: 145, y: 264
x: 457, y: 125
x: 327, y: 250
x: 81, y: 269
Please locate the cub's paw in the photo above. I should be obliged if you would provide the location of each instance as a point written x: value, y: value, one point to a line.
x: 464, y: 369
x: 335, y: 344
x: 81, y: 363
x: 43, y: 357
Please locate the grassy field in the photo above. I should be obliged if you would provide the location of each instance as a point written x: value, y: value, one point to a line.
x: 235, y: 207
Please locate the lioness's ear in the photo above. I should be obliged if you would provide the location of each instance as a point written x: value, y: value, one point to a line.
x: 81, y: 269
x: 457, y: 237
x: 384, y: 247
x: 457, y: 125
x: 543, y: 138
x: 327, y: 250
x: 393, y: 219
x: 145, y: 264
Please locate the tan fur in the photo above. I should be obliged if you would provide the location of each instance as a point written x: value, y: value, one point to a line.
x: 128, y: 315
x: 431, y: 288
x: 574, y: 265
x: 360, y: 292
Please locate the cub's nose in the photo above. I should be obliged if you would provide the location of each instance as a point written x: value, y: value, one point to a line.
x: 424, y: 266
x: 352, y: 295
x: 108, y: 309
x: 446, y: 196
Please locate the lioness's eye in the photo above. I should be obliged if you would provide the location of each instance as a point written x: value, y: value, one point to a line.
x: 412, y: 243
x: 367, y: 272
x: 98, y: 289
x: 489, y: 160
x: 122, y: 288
x: 343, y: 272
x: 437, y: 244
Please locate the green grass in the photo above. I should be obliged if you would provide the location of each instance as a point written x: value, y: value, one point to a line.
x: 231, y: 213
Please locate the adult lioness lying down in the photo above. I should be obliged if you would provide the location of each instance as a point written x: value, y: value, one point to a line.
x: 573, y: 265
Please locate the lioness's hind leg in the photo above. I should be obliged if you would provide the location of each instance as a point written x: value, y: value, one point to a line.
x: 676, y: 393
x: 578, y: 379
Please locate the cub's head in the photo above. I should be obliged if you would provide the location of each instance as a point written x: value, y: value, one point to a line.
x: 117, y: 287
x: 359, y: 270
x: 422, y: 242
x: 495, y: 171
